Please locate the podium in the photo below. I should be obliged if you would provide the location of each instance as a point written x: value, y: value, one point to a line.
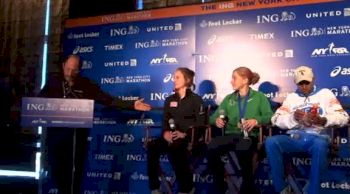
x: 57, y: 112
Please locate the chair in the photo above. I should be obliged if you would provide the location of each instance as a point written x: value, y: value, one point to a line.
x: 232, y: 165
x: 291, y: 170
x: 197, y: 139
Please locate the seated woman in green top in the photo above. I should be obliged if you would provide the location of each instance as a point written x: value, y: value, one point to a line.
x: 238, y: 115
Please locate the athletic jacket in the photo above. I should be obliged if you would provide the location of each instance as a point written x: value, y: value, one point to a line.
x: 324, y: 99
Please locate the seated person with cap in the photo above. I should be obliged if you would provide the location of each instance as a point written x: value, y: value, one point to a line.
x: 306, y: 113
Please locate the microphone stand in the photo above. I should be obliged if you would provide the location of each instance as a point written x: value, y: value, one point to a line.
x: 68, y: 92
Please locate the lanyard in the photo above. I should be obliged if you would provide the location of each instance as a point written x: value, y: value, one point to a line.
x: 243, y: 109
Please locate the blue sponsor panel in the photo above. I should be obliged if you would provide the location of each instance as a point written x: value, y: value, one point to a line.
x: 139, y: 53
x: 137, y: 59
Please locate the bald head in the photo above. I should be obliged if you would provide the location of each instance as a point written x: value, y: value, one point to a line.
x: 71, y: 68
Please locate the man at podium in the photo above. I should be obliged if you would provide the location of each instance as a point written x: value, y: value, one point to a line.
x: 60, y: 154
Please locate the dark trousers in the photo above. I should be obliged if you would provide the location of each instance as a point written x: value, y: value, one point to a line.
x: 59, y: 158
x: 178, y: 157
x: 244, y: 151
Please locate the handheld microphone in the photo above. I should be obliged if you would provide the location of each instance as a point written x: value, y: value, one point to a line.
x: 222, y: 115
x: 172, y: 124
x: 224, y: 118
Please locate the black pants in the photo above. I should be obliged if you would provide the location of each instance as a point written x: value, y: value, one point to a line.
x: 244, y: 152
x: 59, y: 158
x: 178, y: 156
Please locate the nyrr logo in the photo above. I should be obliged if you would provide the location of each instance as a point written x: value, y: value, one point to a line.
x: 338, y: 70
x: 124, y: 31
x: 274, y: 18
x: 344, y: 91
x: 209, y: 96
x: 331, y: 51
x: 307, y: 32
x: 119, y: 139
x: 83, y: 49
x: 164, y: 60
